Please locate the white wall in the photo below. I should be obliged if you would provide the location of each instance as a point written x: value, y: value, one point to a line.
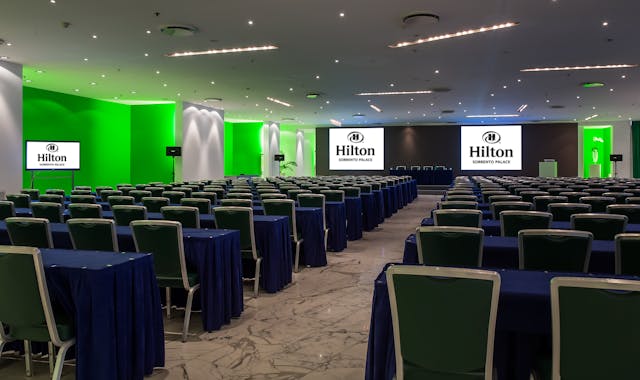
x: 202, y: 142
x: 270, y: 147
x: 10, y: 127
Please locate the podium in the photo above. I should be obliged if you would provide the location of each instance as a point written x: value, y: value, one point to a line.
x: 595, y: 171
x: 547, y: 169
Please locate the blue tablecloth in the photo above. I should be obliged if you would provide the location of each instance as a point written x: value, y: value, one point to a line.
x: 354, y: 217
x: 378, y: 199
x: 369, y: 212
x: 309, y: 225
x: 502, y: 252
x: 388, y: 202
x: 413, y: 189
x: 336, y: 213
x: 114, y: 302
x: 405, y: 193
x: 426, y: 177
x: 524, y: 311
x: 215, y: 254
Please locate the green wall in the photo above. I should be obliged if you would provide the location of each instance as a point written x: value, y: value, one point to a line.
x: 242, y: 149
x: 597, y: 145
x: 119, y: 143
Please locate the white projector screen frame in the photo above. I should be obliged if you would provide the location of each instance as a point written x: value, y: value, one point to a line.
x: 491, y: 147
x: 356, y: 149
x: 52, y: 155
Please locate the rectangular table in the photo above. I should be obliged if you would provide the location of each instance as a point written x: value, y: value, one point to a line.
x: 354, y: 217
x: 336, y: 213
x: 388, y: 202
x: 378, y: 199
x: 369, y: 212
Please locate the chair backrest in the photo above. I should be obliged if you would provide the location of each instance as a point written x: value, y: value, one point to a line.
x: 84, y: 210
x: 365, y: 188
x: 84, y: 198
x: 461, y: 197
x: 7, y: 210
x: 489, y: 193
x: 33, y: 193
x: 48, y: 210
x: 139, y: 194
x: 163, y: 238
x: 562, y: 211
x: 458, y: 191
x: 238, y: 218
x: 23, y: 286
x: 154, y: 204
x: 30, y: 232
x: 202, y: 204
x: 81, y: 192
x: 55, y: 191
x: 333, y: 195
x: 632, y: 200
x: 541, y: 202
x: 458, y: 217
x: 105, y: 194
x: 174, y: 196
x: 574, y: 196
x: 125, y: 214
x: 505, y: 198
x: 607, y: 310
x: 512, y: 221
x: 283, y: 207
x: 627, y: 254
x: 350, y: 191
x: 126, y: 190
x: 602, y: 226
x: 19, y: 200
x: 293, y: 194
x: 210, y: 195
x: 156, y: 191
x: 632, y: 211
x: 239, y: 196
x: 598, y: 203
x: 554, y: 250
x: 93, y: 234
x: 458, y: 205
x: 189, y: 217
x: 450, y: 246
x: 52, y: 198
x: 236, y: 202
x: 121, y: 200
x: 183, y: 189
x: 273, y: 196
x: 619, y: 196
x: 86, y: 188
x: 498, y: 207
x: 443, y: 321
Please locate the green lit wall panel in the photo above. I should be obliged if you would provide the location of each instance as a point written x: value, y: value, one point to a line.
x: 103, y: 129
x: 228, y: 148
x: 597, y: 145
x: 246, y: 149
x: 152, y: 130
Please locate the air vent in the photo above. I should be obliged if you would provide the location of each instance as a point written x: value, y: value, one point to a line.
x: 447, y: 111
x: 179, y: 30
x: 420, y: 18
x: 556, y: 107
x: 358, y: 115
x: 440, y: 89
x: 212, y: 99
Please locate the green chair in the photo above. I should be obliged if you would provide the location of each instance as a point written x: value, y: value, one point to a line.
x: 143, y: 186
x: 630, y: 210
x: 7, y: 210
x: 87, y: 199
x: 293, y: 194
x: 542, y: 202
x: 627, y: 254
x: 632, y: 200
x: 316, y: 200
x: 125, y: 214
x: 20, y: 200
x: 459, y: 192
x: 93, y: 234
x: 554, y: 250
x: 512, y: 221
x: 126, y: 190
x: 100, y: 189
x: 505, y: 198
x: 82, y: 188
x: 48, y: 210
x: 236, y: 202
x: 139, y: 194
x: 527, y: 196
x: 489, y: 193
x: 84, y: 210
x: 350, y: 191
x: 156, y: 191
x: 115, y: 200
x: 606, y: 312
x: 598, y: 204
x: 202, y: 204
x: 154, y: 204
x: 333, y: 195
x: 619, y: 196
x: 241, y: 218
x: 121, y: 185
x: 267, y: 190
x: 28, y: 313
x: 602, y: 226
x: 460, y: 205
x: 81, y: 192
x: 444, y: 321
x: 34, y: 194
x: 55, y: 191
x: 562, y: 211
x: 163, y: 238
x: 30, y: 232
x: 183, y: 189
x: 450, y: 246
x: 318, y: 189
x: 52, y: 198
x: 105, y: 194
x: 239, y: 196
x: 211, y: 196
x: 218, y: 190
x: 286, y: 207
x: 189, y: 217
x: 365, y: 188
x: 273, y: 196
x: 461, y: 197
x: 574, y: 196
x: 458, y: 218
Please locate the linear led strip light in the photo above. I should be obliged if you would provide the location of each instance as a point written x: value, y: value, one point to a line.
x: 335, y: 122
x: 278, y: 101
x: 375, y: 108
x: 569, y: 68
x: 223, y: 51
x: 487, y: 116
x: 461, y: 33
x: 394, y: 93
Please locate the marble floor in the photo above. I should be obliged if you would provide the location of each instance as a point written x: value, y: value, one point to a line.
x: 317, y: 328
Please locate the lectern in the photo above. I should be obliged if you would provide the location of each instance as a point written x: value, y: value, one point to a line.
x: 547, y: 168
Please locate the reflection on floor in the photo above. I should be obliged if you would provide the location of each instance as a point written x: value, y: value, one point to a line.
x: 317, y: 328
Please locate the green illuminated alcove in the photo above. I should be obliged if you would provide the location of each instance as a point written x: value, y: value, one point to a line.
x: 597, y: 146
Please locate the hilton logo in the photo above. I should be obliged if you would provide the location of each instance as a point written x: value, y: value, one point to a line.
x: 50, y: 157
x: 491, y: 137
x: 51, y: 148
x: 355, y: 137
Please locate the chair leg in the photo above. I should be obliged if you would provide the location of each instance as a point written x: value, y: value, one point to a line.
x: 187, y: 313
x: 28, y: 362
x: 295, y: 268
x: 256, y: 283
x: 326, y: 239
x: 62, y: 353
x: 168, y: 301
x: 52, y: 362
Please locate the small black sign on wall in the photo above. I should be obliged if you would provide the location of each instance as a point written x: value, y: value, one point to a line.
x: 278, y: 157
x: 174, y: 151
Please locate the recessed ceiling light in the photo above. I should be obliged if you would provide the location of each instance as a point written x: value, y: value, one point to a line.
x: 28, y: 80
x: 278, y: 101
x: 493, y: 94
x: 146, y: 54
x: 358, y: 115
x: 93, y: 83
x: 522, y: 107
x: 590, y: 117
x: 40, y: 71
x: 103, y: 75
x: 336, y: 61
x: 605, y: 23
x: 505, y: 86
x: 164, y: 85
x: 568, y: 68
x: 222, y: 51
x: 52, y: 1
x: 85, y: 59
x: 148, y: 32
x: 94, y: 36
x: 454, y: 35
x: 317, y: 76
x: 437, y: 71
x: 77, y: 90
x: 481, y: 116
x: 611, y: 90
x: 394, y: 93
x: 519, y: 80
x: 4, y: 57
x: 547, y: 100
x: 133, y: 92
x: 578, y: 97
x: 341, y: 14
x: 377, y: 109
x: 290, y: 88
x: 335, y: 122
x: 623, y: 76
x: 250, y: 22
x: 328, y: 102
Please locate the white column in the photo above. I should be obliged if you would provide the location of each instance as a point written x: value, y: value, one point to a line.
x: 10, y: 127
x: 202, y: 142
x: 622, y: 145
x: 270, y: 147
x: 300, y: 156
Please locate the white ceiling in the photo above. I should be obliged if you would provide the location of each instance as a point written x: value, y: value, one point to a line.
x: 311, y: 36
